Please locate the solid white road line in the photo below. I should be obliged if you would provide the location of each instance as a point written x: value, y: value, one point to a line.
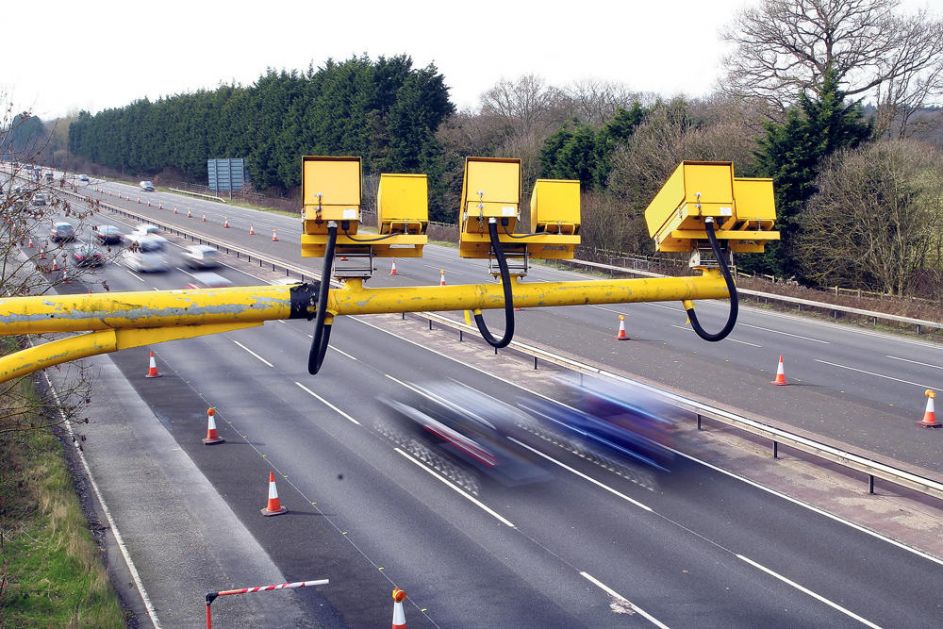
x: 582, y: 475
x: 119, y: 539
x: 871, y: 373
x: 796, y: 336
x: 684, y: 327
x: 135, y: 275
x: 809, y: 592
x: 916, y: 362
x: 327, y: 404
x: 608, y: 590
x: 468, y: 496
x: 253, y: 353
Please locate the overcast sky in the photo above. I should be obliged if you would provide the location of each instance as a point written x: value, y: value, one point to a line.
x: 60, y: 57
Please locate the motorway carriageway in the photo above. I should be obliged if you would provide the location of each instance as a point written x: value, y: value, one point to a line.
x: 588, y: 548
x: 848, y: 385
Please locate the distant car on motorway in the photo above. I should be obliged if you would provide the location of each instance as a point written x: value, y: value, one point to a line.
x: 146, y: 228
x: 147, y: 254
x: 39, y: 199
x: 201, y: 257
x: 208, y: 279
x: 108, y: 234
x: 147, y: 186
x: 62, y: 232
x: 83, y: 178
x: 49, y: 175
x: 87, y: 254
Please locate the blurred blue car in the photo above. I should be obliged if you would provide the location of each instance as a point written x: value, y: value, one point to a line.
x: 610, y: 417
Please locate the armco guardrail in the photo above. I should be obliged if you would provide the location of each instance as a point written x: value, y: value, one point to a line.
x: 198, y: 194
x: 919, y: 324
x: 777, y: 436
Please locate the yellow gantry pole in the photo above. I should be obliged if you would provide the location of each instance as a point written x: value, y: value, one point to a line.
x: 115, y: 321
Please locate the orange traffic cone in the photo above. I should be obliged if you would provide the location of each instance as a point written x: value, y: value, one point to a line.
x: 780, y: 380
x: 152, y: 368
x: 65, y: 275
x: 212, y: 437
x: 55, y: 264
x: 30, y: 245
x: 274, y: 235
x: 42, y: 252
x: 929, y: 416
x: 274, y: 505
x: 441, y: 277
x: 393, y: 268
x: 204, y: 218
x: 622, y: 336
x: 226, y: 222
x: 251, y: 230
x: 399, y: 615
x: 189, y: 214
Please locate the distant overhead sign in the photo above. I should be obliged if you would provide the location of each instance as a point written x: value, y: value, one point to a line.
x: 226, y: 175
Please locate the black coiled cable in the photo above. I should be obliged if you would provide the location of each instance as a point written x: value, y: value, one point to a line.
x: 508, y: 295
x: 322, y: 331
x: 731, y: 288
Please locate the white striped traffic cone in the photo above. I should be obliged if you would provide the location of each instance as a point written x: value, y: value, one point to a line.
x: 622, y: 336
x: 204, y: 218
x: 441, y: 277
x: 152, y: 368
x: 212, y: 436
x: 399, y: 614
x: 30, y: 245
x: 780, y: 380
x: 393, y: 268
x: 226, y: 222
x: 929, y: 416
x: 251, y: 230
x: 274, y: 505
x: 189, y: 214
x: 274, y: 235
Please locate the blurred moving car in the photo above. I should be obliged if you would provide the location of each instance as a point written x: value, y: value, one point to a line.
x: 147, y: 254
x: 83, y: 178
x: 87, y: 254
x: 145, y: 228
x: 108, y: 234
x: 615, y: 418
x: 201, y: 257
x: 62, y: 232
x: 468, y: 427
x: 39, y: 199
x: 208, y: 279
x: 147, y: 186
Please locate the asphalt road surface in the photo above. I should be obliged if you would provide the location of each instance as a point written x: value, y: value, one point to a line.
x: 585, y: 547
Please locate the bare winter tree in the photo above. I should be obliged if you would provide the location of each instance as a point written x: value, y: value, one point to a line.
x: 785, y: 47
x: 877, y: 218
x: 596, y: 102
x: 31, y: 265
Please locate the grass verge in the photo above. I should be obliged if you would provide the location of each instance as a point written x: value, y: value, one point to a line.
x: 51, y: 571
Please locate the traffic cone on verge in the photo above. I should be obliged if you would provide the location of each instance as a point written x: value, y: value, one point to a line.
x: 441, y: 277
x: 226, y: 222
x: 30, y: 245
x: 780, y: 380
x: 393, y: 268
x: 204, y: 218
x: 622, y: 336
x: 42, y: 252
x: 212, y: 437
x: 189, y: 214
x: 152, y: 368
x: 251, y: 230
x: 274, y: 235
x: 399, y: 615
x: 274, y: 505
x: 175, y: 210
x: 929, y: 416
